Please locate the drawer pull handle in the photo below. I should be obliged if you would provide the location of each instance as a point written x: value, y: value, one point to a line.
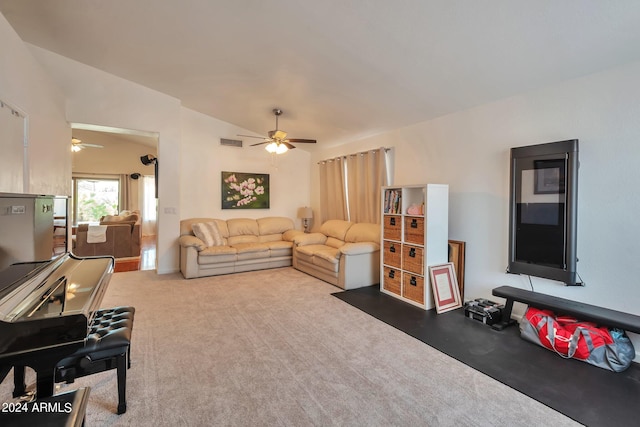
x: 414, y: 223
x: 392, y: 221
x: 392, y: 274
x: 412, y: 252
x: 413, y: 281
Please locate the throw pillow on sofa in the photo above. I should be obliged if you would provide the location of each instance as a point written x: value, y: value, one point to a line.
x: 208, y: 232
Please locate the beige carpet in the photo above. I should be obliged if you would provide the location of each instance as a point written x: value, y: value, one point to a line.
x: 274, y: 348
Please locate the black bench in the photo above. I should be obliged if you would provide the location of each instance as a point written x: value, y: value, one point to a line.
x: 108, y: 346
x: 579, y: 310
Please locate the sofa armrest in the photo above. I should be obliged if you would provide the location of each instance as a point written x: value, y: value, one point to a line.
x: 310, y: 239
x: 359, y: 248
x: 187, y: 241
x: 290, y: 235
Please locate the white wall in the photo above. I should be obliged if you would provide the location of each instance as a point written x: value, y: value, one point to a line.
x: 469, y: 151
x: 98, y: 98
x: 26, y: 86
x: 190, y: 158
x: 203, y: 158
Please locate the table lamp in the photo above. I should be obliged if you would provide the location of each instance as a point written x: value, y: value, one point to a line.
x: 305, y: 214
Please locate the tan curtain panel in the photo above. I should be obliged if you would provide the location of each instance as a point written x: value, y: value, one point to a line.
x: 125, y: 192
x: 332, y: 191
x: 366, y: 174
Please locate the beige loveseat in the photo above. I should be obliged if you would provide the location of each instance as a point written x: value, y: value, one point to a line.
x: 343, y: 253
x: 235, y: 245
x: 120, y: 237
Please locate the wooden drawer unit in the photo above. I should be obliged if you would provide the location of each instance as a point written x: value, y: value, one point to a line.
x: 414, y: 230
x: 392, y: 227
x: 413, y: 288
x: 413, y: 259
x: 392, y: 280
x: 392, y: 254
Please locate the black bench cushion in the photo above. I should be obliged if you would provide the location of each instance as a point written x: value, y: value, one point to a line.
x: 110, y: 335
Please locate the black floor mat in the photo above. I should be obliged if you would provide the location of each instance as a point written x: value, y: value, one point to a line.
x: 585, y: 393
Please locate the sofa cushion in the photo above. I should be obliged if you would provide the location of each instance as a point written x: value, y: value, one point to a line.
x: 117, y: 218
x: 333, y: 242
x: 270, y: 238
x: 281, y: 248
x: 252, y: 250
x: 129, y: 223
x: 242, y: 226
x: 208, y: 232
x: 217, y: 254
x: 335, y: 228
x: 327, y: 259
x: 237, y: 240
x: 305, y: 253
x: 186, y: 226
x: 363, y: 232
x: 274, y: 225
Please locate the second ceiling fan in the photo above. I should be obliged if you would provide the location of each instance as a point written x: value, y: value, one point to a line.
x: 277, y: 141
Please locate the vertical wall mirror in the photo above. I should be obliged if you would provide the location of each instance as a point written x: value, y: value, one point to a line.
x: 543, y: 211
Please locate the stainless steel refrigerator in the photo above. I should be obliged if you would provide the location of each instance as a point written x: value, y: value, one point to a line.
x: 26, y: 228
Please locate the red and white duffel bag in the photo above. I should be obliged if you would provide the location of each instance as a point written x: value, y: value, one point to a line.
x: 570, y: 338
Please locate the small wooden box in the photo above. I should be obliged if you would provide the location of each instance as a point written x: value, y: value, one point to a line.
x: 413, y: 259
x: 413, y: 287
x: 392, y: 227
x: 392, y: 280
x: 392, y: 254
x: 414, y: 230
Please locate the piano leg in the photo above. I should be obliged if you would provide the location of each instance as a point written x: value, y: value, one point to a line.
x: 19, y: 386
x: 44, y: 380
x: 44, y: 363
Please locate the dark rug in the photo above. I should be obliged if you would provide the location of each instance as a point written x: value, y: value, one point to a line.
x: 585, y: 393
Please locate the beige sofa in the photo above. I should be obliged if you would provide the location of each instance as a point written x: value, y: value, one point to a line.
x: 122, y: 238
x: 242, y: 245
x: 342, y: 253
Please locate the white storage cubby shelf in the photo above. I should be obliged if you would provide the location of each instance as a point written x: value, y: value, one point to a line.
x: 415, y: 229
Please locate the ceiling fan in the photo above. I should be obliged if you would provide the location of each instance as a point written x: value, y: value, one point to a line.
x: 77, y: 145
x: 277, y: 141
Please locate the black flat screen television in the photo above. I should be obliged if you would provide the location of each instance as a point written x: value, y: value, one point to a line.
x: 543, y: 211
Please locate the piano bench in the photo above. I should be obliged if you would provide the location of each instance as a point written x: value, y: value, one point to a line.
x: 108, y: 346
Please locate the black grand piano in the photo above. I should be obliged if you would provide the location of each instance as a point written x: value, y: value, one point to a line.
x: 46, y: 311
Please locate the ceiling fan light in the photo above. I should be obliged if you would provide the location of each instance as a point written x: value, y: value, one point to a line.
x: 272, y: 148
x: 75, y: 148
x: 281, y: 148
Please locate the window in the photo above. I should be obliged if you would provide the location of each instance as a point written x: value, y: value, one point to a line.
x: 94, y: 198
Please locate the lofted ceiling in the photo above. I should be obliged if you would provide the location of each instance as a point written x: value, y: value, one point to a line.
x: 340, y: 70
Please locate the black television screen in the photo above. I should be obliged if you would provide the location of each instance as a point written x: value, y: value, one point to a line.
x: 543, y: 203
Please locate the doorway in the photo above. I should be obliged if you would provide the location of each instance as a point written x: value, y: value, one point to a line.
x: 110, y: 159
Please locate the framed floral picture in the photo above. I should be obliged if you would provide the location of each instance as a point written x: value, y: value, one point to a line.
x: 245, y: 190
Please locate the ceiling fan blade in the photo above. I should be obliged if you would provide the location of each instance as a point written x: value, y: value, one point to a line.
x: 260, y: 143
x: 308, y: 141
x: 289, y: 146
x: 82, y: 144
x: 251, y: 136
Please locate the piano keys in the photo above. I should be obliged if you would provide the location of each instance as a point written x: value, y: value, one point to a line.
x: 46, y: 310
